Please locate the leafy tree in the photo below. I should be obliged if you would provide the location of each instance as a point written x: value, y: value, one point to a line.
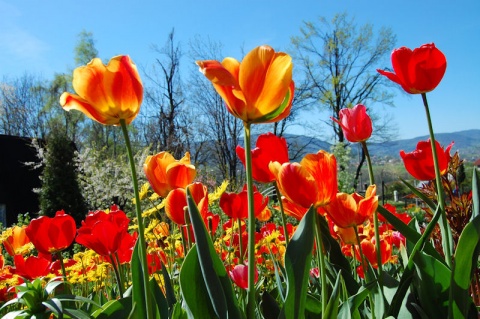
x: 339, y: 61
x: 85, y: 49
x: 60, y: 188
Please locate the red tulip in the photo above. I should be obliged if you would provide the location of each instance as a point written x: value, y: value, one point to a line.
x: 125, y: 250
x: 269, y: 148
x: 355, y: 123
x: 103, y: 232
x: 32, y: 267
x: 417, y: 71
x: 176, y: 202
x: 239, y: 275
x: 235, y: 205
x: 419, y: 163
x: 51, y: 235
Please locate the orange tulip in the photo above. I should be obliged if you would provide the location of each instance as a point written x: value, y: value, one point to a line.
x: 257, y: 90
x: 292, y: 209
x: 164, y: 173
x: 312, y: 181
x: 16, y: 240
x: 369, y: 250
x: 106, y: 93
x: 176, y: 202
x: 350, y: 210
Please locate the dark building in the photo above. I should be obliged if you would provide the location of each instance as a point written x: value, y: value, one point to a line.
x: 17, y: 180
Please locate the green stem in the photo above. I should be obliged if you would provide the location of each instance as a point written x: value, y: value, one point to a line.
x: 447, y: 247
x: 240, y: 241
x: 62, y: 266
x: 321, y: 262
x: 251, y: 224
x: 375, y: 217
x: 117, y: 275
x: 284, y: 220
x: 369, y: 162
x: 141, y: 228
x: 364, y: 264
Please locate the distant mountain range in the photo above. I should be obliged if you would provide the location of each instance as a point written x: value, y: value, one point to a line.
x: 467, y: 143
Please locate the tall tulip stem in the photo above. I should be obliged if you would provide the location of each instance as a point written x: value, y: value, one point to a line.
x: 251, y: 223
x: 141, y: 228
x: 447, y: 247
x: 375, y: 216
x: 321, y: 262
x: 282, y: 211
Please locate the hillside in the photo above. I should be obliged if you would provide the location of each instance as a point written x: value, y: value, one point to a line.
x: 467, y: 143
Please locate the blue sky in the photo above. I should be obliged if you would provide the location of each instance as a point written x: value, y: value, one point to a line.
x: 39, y: 37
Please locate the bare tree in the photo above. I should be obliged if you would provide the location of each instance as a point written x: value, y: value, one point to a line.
x: 220, y: 132
x: 21, y: 107
x: 165, y: 129
x: 339, y: 61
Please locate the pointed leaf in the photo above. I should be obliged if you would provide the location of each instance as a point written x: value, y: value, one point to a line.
x: 297, y: 266
x: 332, y: 307
x: 217, y: 282
x: 120, y: 308
x: 138, y: 292
x: 337, y: 258
x: 410, y: 234
x: 169, y: 292
x: 192, y: 285
x: 466, y: 260
x: 431, y: 282
x: 159, y: 298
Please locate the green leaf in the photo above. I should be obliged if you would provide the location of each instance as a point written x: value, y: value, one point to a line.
x: 269, y: 306
x: 120, y: 308
x: 169, y: 291
x: 420, y: 195
x: 54, y: 305
x: 475, y: 194
x: 332, y: 307
x: 138, y: 291
x: 337, y: 258
x: 217, y: 282
x: 465, y: 262
x: 75, y: 313
x: 192, y: 285
x: 431, y: 283
x: 410, y: 234
x: 349, y: 307
x: 297, y: 266
x: 159, y: 298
